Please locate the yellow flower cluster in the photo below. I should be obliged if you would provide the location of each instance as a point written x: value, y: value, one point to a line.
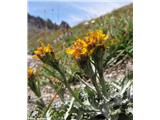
x: 42, y: 50
x: 86, y: 46
x: 30, y: 72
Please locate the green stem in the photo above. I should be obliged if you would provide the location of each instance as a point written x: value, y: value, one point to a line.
x: 92, y: 75
x: 86, y: 84
x: 67, y: 85
x: 94, y: 82
x: 98, y: 60
x: 99, y: 67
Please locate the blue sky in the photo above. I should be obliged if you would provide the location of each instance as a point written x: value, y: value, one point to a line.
x: 74, y: 11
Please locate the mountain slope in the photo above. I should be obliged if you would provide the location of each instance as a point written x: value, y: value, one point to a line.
x: 39, y: 28
x: 118, y: 24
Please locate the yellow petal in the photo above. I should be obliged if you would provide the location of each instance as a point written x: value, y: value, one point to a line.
x: 84, y: 51
x: 47, y: 49
x: 35, y: 57
x: 70, y: 51
x: 37, y: 52
x: 106, y: 37
x: 30, y: 71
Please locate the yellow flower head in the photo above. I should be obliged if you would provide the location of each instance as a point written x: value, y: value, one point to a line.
x: 78, y: 49
x: 86, y: 46
x: 42, y: 50
x: 39, y: 51
x: 97, y: 37
x: 48, y: 49
x: 30, y: 72
x: 70, y: 51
